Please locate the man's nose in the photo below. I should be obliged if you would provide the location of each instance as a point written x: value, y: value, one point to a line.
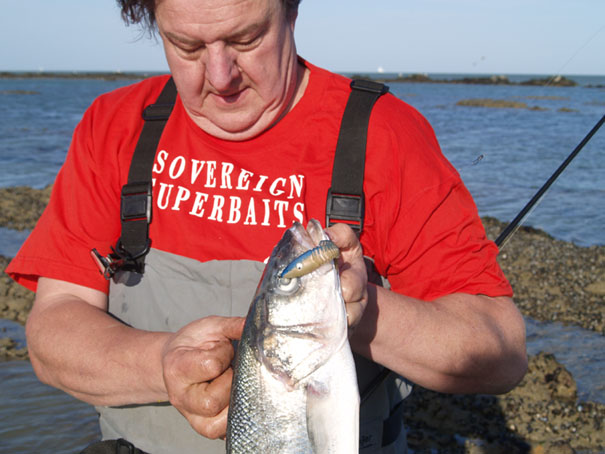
x: 220, y: 64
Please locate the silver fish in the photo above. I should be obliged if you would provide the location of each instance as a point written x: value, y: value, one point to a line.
x: 294, y: 385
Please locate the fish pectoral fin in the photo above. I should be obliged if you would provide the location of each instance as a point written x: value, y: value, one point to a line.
x: 310, y: 363
x: 319, y: 416
x: 292, y: 358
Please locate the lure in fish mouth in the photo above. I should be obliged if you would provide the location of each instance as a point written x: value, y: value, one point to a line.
x: 294, y: 385
x: 311, y: 260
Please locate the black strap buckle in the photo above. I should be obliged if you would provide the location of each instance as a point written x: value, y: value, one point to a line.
x: 136, y: 202
x: 345, y: 208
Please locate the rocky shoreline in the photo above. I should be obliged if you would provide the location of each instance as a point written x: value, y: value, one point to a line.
x: 74, y: 75
x: 553, y: 280
x: 554, y: 81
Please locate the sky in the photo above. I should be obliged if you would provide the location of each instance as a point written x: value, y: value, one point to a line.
x: 395, y: 36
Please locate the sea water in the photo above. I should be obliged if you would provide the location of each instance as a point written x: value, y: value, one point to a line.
x: 503, y: 155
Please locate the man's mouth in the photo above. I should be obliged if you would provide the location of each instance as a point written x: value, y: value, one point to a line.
x: 229, y: 98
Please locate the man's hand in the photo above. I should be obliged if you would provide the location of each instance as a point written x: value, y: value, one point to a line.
x: 197, y: 372
x: 353, y: 273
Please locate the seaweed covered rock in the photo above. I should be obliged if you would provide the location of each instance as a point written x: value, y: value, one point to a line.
x: 542, y: 414
x: 9, y: 350
x: 15, y: 301
x: 492, y: 103
x: 21, y: 206
x: 556, y: 81
x: 553, y: 280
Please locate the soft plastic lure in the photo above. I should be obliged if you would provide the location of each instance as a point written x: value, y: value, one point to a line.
x: 311, y: 260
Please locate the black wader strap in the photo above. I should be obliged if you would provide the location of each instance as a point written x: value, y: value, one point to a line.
x: 136, y: 200
x: 345, y: 202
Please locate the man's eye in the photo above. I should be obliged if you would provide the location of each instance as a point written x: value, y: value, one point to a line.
x: 190, y: 49
x: 245, y: 44
x: 189, y: 52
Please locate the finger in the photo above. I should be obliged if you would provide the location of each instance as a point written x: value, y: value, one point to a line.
x: 210, y: 427
x: 208, y: 399
x: 230, y: 327
x: 343, y: 236
x: 353, y: 284
x: 184, y: 366
x: 354, y: 313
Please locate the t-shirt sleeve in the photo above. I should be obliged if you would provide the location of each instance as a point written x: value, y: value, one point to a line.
x: 423, y: 230
x: 83, y: 213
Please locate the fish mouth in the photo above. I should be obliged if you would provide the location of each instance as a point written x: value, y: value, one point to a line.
x: 319, y: 250
x: 310, y: 237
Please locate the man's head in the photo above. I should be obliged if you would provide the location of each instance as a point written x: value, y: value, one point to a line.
x: 234, y: 62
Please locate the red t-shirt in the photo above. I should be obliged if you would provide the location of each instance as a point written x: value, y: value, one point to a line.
x: 220, y: 200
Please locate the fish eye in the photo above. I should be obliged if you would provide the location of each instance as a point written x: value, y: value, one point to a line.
x: 287, y: 285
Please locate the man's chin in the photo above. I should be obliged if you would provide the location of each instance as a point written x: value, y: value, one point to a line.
x: 234, y: 128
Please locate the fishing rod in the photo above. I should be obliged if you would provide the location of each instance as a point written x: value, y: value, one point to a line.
x: 504, y: 236
x: 515, y: 223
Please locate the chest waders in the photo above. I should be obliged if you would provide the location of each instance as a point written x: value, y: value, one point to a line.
x: 381, y: 431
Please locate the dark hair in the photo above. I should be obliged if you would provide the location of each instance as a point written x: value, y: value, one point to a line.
x: 143, y: 11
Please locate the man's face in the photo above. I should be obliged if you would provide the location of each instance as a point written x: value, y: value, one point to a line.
x: 233, y: 61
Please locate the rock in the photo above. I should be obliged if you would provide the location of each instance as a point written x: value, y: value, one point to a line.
x: 15, y: 301
x: 9, y: 350
x: 553, y: 448
x: 553, y: 279
x: 492, y: 103
x: 598, y: 288
x: 555, y: 378
x: 540, y: 415
x: 21, y: 206
x: 555, y: 81
x: 19, y: 92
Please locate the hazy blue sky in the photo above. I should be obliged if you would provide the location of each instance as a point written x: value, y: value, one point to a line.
x: 480, y: 36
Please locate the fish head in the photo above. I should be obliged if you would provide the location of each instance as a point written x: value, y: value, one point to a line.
x: 300, y: 321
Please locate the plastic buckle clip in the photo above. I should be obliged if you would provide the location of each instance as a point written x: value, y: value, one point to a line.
x: 345, y: 208
x: 136, y: 202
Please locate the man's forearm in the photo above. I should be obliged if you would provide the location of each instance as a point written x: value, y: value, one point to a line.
x: 459, y: 343
x: 80, y: 349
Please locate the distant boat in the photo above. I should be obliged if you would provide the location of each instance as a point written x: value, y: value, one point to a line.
x: 380, y: 69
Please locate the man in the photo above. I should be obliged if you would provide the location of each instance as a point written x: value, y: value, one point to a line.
x: 248, y: 149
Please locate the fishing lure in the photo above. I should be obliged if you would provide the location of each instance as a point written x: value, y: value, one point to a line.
x: 311, y: 260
